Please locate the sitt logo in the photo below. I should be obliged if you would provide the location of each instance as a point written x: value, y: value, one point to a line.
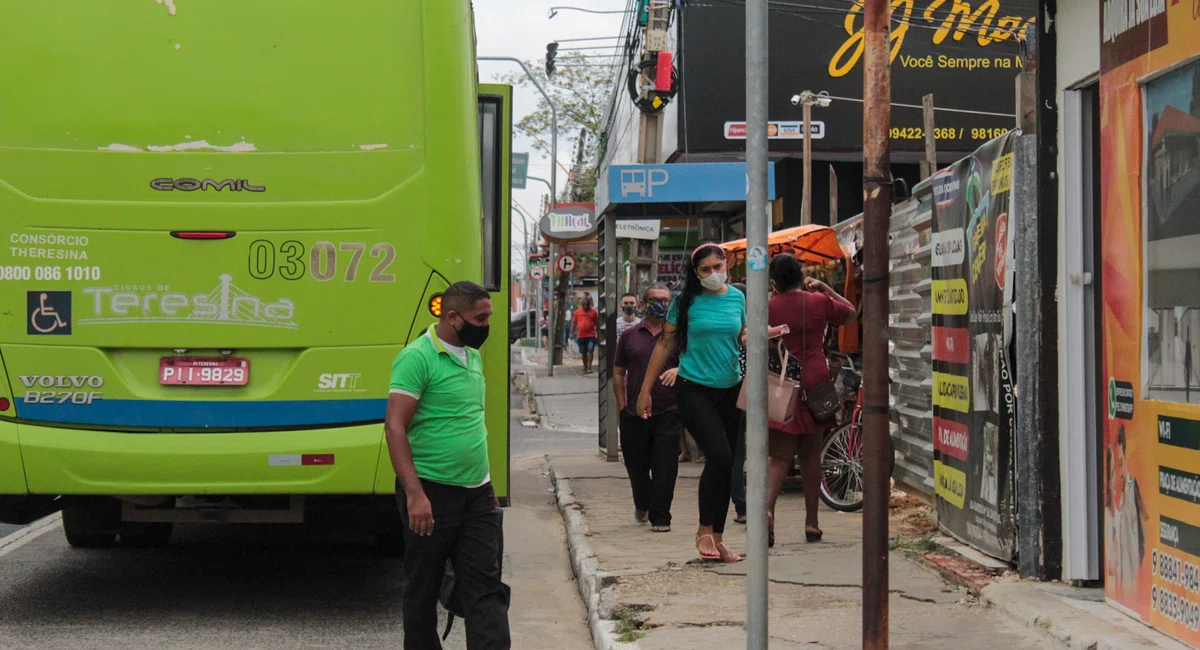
x: 338, y: 383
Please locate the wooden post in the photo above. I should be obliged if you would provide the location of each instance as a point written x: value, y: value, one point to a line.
x: 929, y: 167
x: 833, y: 196
x: 806, y: 201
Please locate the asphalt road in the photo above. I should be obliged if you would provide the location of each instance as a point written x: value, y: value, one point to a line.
x: 233, y: 587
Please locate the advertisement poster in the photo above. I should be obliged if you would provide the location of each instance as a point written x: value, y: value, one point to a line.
x: 1150, y: 314
x: 670, y: 268
x: 973, y: 402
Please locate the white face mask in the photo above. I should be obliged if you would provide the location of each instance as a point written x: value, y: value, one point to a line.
x: 713, y: 282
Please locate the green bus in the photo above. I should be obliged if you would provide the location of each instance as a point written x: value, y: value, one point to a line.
x: 222, y: 220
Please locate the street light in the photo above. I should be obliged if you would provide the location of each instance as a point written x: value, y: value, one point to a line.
x: 808, y: 99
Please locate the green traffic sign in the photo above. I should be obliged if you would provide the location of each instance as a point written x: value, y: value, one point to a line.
x: 520, y: 170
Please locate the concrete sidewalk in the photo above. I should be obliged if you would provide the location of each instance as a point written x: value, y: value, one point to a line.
x: 569, y: 400
x: 649, y: 588
x: 650, y: 591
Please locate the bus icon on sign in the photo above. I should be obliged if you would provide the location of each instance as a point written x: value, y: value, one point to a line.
x: 641, y: 182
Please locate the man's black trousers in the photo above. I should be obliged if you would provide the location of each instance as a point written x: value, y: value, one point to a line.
x: 468, y: 531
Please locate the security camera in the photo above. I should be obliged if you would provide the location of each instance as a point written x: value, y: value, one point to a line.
x: 795, y: 100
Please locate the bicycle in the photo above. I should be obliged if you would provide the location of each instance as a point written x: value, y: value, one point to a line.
x: 842, y: 449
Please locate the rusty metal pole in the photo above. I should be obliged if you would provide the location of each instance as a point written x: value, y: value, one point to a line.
x: 877, y: 211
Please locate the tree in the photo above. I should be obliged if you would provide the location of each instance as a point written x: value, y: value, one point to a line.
x: 581, y: 89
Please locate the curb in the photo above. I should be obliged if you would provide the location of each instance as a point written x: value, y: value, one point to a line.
x: 1075, y: 629
x: 586, y: 567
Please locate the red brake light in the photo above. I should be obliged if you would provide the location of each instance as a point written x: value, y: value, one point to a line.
x: 201, y: 234
x: 4, y: 404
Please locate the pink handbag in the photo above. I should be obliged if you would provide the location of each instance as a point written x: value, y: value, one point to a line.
x: 782, y: 393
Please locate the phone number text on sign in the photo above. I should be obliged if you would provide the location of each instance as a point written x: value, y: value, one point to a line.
x: 43, y: 273
x: 293, y: 260
x: 1179, y: 573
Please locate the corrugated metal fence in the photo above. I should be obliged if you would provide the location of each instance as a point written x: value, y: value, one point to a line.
x: 911, y: 350
x: 910, y: 345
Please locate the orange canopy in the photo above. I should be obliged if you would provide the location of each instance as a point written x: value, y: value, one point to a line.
x: 812, y: 243
x: 815, y: 245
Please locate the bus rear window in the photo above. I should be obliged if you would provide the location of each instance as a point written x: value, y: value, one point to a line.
x: 222, y: 76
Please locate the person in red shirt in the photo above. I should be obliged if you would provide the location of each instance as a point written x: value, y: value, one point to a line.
x: 583, y: 326
x: 807, y: 306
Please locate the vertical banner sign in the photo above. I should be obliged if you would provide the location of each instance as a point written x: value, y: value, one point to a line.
x: 972, y: 329
x: 1149, y: 275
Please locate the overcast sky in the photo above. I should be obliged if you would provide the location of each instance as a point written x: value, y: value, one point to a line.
x: 521, y: 29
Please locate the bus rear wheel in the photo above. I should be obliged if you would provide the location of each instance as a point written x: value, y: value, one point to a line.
x: 91, y: 522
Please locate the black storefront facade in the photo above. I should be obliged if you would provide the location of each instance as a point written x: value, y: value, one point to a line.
x: 968, y: 61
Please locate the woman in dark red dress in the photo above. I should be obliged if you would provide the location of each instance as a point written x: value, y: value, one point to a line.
x: 807, y: 306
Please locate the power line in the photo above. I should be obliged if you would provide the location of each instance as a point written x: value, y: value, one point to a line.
x: 936, y: 108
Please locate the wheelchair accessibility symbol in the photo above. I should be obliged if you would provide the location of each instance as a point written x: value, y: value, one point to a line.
x: 49, y: 313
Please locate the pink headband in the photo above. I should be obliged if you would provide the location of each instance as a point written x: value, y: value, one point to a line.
x: 701, y: 247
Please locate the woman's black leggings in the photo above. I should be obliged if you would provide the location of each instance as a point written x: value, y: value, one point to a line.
x: 712, y: 417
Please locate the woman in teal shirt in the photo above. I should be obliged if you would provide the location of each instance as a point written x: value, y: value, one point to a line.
x: 706, y: 321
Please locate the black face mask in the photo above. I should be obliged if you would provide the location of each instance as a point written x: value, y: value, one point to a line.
x: 628, y: 309
x: 472, y: 335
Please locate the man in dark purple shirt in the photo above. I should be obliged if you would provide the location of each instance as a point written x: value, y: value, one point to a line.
x: 650, y: 446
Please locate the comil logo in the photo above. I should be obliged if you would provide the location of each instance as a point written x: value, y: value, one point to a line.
x: 193, y: 184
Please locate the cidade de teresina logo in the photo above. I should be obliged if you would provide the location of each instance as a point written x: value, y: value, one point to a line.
x: 226, y: 304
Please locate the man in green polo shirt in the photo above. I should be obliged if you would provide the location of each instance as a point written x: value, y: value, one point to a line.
x: 438, y: 444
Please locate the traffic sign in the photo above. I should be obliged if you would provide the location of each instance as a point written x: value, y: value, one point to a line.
x: 520, y: 170
x: 566, y: 264
x: 537, y: 272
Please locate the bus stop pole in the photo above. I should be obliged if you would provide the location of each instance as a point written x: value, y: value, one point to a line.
x: 756, y: 321
x: 553, y: 187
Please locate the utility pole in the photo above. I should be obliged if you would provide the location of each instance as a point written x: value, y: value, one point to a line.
x: 656, y: 41
x: 757, y: 225
x: 808, y: 99
x: 877, y: 212
x: 833, y: 196
x: 806, y: 205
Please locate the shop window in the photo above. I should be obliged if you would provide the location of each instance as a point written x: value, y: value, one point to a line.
x: 1171, y: 232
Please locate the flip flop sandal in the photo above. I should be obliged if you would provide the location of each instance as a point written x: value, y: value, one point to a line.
x: 707, y: 556
x: 660, y: 529
x: 721, y: 547
x: 641, y: 516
